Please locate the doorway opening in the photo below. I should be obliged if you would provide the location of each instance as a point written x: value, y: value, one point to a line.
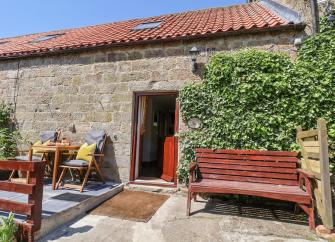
x: 155, y: 148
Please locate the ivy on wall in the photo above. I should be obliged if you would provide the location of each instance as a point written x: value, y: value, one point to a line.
x: 255, y: 99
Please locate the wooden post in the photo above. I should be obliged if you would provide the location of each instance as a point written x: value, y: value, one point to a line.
x: 325, y: 177
x: 36, y: 178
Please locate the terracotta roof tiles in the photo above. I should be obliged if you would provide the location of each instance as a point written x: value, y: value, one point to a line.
x: 194, y: 23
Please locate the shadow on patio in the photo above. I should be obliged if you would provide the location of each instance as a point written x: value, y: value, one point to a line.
x: 283, y: 212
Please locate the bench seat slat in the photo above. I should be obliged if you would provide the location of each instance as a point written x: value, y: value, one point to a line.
x: 287, y: 193
x: 251, y: 179
x: 248, y: 168
x: 248, y: 163
x: 247, y: 157
x: 249, y: 173
x: 16, y: 207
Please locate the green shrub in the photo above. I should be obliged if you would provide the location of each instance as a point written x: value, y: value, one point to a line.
x: 7, y: 229
x: 255, y: 99
x: 8, y: 137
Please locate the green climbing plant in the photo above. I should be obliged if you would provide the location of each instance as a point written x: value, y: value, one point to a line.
x: 255, y: 99
x: 8, y: 136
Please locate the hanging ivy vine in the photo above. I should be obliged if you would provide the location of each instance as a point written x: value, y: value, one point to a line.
x: 255, y: 99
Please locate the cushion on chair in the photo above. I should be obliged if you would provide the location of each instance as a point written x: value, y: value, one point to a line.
x: 85, y: 152
x: 76, y: 163
x: 51, y: 136
x: 36, y: 151
x: 25, y: 158
x: 95, y: 137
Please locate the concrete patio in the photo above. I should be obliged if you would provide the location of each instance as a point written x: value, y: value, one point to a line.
x: 63, y: 205
x: 214, y: 221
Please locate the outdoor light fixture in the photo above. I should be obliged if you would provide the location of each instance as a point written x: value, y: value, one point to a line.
x: 194, y: 123
x: 194, y: 52
x: 331, y: 19
x: 330, y: 11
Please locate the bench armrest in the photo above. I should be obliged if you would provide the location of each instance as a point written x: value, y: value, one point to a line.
x: 306, y: 174
x: 193, y: 166
x: 305, y: 178
x: 192, y: 169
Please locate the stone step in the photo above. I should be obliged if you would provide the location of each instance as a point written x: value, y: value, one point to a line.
x: 150, y: 188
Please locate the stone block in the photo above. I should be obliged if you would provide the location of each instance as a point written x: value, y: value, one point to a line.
x: 124, y: 66
x: 100, y: 58
x: 117, y: 56
x: 175, y: 51
x: 159, y: 76
x: 104, y: 68
x: 180, y: 74
x: 135, y: 55
x: 124, y: 174
x: 85, y: 60
x: 154, y: 53
x: 87, y: 89
x: 135, y: 76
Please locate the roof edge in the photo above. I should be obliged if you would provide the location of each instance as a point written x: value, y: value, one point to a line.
x: 290, y: 15
x: 298, y: 27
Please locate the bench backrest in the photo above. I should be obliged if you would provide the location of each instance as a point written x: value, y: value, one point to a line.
x: 273, y: 167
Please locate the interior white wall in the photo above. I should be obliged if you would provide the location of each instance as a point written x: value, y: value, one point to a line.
x: 150, y: 137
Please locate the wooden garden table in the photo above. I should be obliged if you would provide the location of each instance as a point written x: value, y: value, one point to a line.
x: 57, y: 149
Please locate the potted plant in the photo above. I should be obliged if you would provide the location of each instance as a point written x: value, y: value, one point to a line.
x: 8, y: 229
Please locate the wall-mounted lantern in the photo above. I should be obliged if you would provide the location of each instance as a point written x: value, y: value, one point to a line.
x: 194, y: 123
x: 331, y: 19
x: 194, y: 52
x: 330, y: 12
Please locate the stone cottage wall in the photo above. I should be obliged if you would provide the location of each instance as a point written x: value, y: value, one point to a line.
x: 303, y: 7
x: 95, y: 89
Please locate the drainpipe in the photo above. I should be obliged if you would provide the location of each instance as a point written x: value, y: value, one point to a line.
x: 315, y: 17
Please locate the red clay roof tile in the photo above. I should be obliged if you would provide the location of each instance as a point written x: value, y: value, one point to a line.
x: 201, y: 22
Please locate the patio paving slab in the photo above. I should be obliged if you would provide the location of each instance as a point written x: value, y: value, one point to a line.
x: 209, y: 222
x: 63, y: 205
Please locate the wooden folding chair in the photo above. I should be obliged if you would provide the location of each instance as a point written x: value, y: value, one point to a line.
x: 83, y: 166
x: 23, y: 155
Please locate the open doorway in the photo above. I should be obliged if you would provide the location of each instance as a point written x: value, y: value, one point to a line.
x: 154, y: 142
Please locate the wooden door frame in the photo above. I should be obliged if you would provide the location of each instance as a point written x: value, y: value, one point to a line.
x: 136, y: 97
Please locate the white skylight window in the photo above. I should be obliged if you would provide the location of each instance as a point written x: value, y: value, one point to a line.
x: 45, y: 38
x: 4, y: 42
x: 148, y: 25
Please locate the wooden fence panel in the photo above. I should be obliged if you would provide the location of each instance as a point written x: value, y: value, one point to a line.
x: 315, y: 160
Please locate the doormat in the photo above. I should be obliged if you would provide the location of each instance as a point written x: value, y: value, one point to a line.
x: 131, y: 205
x: 71, y: 197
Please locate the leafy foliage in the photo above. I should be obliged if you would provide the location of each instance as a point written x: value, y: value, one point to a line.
x: 8, y: 137
x: 255, y: 99
x: 7, y: 229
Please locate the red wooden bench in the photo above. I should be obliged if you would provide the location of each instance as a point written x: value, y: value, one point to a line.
x: 34, y: 189
x: 270, y: 174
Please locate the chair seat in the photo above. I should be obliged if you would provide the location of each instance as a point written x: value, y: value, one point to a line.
x: 77, y: 163
x: 291, y: 193
x: 25, y: 158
